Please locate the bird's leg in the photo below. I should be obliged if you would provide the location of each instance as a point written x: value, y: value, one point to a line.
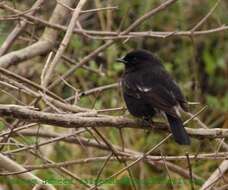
x: 149, y: 122
x: 146, y: 122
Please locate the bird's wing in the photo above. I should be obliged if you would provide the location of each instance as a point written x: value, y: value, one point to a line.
x: 160, y: 98
x: 160, y: 90
x: 178, y: 94
x: 130, y: 88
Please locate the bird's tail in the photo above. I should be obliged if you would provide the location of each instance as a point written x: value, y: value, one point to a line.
x: 179, y: 133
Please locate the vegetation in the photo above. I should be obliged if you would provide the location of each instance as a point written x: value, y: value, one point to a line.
x: 72, y: 150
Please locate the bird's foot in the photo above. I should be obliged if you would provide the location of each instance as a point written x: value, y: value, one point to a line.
x: 145, y: 122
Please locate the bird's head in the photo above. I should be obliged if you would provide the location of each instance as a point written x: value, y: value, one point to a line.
x: 138, y: 58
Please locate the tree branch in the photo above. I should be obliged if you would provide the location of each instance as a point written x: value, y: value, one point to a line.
x: 74, y: 121
x: 44, y: 45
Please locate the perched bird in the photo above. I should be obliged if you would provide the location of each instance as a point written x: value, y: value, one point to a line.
x: 148, y: 89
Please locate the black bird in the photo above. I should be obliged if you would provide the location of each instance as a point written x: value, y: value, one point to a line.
x: 148, y: 89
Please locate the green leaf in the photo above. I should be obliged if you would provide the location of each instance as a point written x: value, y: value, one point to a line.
x: 2, y: 125
x: 210, y: 62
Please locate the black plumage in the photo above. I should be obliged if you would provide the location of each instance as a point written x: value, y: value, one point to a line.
x: 148, y: 89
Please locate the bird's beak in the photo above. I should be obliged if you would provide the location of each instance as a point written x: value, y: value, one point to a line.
x: 121, y: 60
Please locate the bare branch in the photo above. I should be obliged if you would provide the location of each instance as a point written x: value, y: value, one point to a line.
x: 64, y: 42
x: 74, y: 121
x: 12, y: 166
x: 44, y: 45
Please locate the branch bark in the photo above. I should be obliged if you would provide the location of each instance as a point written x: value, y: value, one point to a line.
x: 64, y: 43
x: 18, y: 29
x: 44, y: 45
x: 12, y: 166
x: 75, y: 121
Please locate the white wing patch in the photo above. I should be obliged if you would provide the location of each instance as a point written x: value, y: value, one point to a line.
x: 143, y: 89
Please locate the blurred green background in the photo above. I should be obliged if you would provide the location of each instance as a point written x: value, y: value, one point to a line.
x: 199, y: 64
